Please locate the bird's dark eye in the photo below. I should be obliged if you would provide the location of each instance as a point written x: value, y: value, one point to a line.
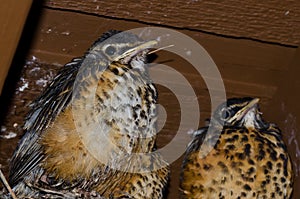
x: 110, y: 50
x: 225, y: 114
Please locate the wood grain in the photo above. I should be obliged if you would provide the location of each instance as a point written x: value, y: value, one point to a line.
x: 13, y: 14
x: 247, y: 67
x: 271, y: 21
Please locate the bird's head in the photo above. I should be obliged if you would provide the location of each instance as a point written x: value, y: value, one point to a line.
x: 122, y: 47
x: 239, y: 112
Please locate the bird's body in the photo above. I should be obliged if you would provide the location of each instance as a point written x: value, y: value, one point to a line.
x: 60, y: 154
x: 249, y: 158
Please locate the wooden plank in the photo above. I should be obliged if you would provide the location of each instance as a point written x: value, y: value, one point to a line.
x: 12, y: 18
x: 272, y: 20
x: 58, y: 42
x: 284, y: 109
x: 247, y: 67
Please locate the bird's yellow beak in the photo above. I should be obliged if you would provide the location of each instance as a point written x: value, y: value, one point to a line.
x: 241, y: 113
x: 135, y: 50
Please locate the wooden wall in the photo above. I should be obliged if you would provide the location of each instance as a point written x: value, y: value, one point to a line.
x: 272, y: 20
x: 13, y: 15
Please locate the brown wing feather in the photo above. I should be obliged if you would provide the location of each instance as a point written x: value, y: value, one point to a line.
x: 44, y: 109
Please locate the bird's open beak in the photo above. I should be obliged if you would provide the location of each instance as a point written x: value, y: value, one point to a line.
x: 137, y: 49
x: 241, y: 113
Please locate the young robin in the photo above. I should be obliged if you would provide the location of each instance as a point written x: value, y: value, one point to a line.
x: 91, y: 134
x: 249, y: 158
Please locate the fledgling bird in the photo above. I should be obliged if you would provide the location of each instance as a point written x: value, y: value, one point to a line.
x: 58, y: 157
x: 249, y: 158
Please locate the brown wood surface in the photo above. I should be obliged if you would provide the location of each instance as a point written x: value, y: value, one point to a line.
x: 247, y: 67
x: 285, y: 105
x: 272, y: 20
x: 13, y: 14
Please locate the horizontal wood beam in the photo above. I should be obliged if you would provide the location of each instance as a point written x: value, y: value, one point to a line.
x: 271, y: 21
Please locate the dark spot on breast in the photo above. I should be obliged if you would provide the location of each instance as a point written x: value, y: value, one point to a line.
x: 139, y: 91
x: 235, y: 137
x: 251, y: 170
x: 250, y: 161
x: 247, y: 187
x: 115, y: 71
x: 278, y: 165
x: 214, y: 182
x: 273, y: 155
x: 143, y: 114
x: 139, y: 183
x: 223, y: 166
x: 106, y: 95
x: 226, y: 151
x: 247, y: 149
x: 282, y: 179
x: 278, y: 171
x: 261, y: 154
x: 240, y: 156
x: 232, y: 139
x: 282, y: 156
x: 99, y: 99
x: 210, y: 189
x: 207, y: 167
x: 230, y: 147
x: 245, y: 138
x: 238, y: 182
x: 269, y: 165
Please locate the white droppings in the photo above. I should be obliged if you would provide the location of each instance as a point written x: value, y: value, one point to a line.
x: 287, y: 13
x: 66, y: 33
x: 3, y: 128
x: 41, y: 82
x: 49, y: 30
x: 24, y: 86
x: 15, y: 125
x: 35, y: 69
x: 33, y: 58
x: 9, y: 135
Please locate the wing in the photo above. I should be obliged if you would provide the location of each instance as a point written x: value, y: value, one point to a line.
x: 44, y: 109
